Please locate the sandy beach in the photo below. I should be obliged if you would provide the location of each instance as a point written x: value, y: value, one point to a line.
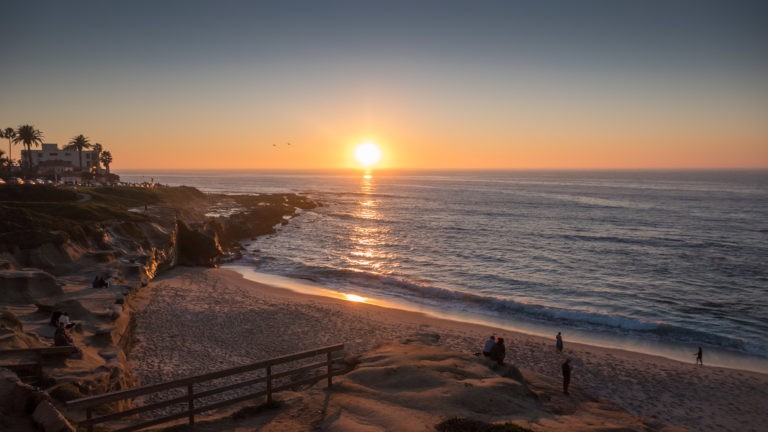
x: 192, y: 320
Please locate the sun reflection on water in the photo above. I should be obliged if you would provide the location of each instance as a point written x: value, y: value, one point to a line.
x: 355, y: 298
x: 367, y: 236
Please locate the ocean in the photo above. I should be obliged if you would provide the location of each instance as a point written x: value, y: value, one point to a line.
x: 652, y: 261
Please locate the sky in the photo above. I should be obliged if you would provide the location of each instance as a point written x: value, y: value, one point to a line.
x: 436, y: 84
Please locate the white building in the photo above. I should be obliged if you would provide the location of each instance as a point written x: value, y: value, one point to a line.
x: 52, y: 159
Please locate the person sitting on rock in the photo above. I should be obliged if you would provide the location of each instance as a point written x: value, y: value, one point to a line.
x: 99, y: 282
x: 64, y: 321
x: 488, y: 347
x: 55, y: 318
x: 499, y: 351
x: 62, y: 337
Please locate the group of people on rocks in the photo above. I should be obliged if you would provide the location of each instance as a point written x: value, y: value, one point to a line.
x: 495, y: 350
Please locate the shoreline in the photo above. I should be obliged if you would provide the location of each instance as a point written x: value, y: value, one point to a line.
x: 241, y: 320
x: 684, y: 353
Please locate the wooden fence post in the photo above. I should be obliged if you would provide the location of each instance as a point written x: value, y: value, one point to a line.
x: 89, y: 416
x: 39, y: 369
x: 285, y: 379
x: 191, y: 404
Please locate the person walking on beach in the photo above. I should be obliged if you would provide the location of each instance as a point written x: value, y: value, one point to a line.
x: 699, y: 356
x: 559, y: 342
x: 566, y: 375
x: 488, y: 347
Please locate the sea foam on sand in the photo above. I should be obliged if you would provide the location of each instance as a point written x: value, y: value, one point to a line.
x: 199, y: 320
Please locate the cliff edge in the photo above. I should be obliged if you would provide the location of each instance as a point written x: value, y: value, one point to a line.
x: 88, y: 252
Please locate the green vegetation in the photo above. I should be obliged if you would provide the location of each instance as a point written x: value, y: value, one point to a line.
x: 35, y: 193
x: 34, y: 215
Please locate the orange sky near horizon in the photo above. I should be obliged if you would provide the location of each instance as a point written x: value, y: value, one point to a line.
x: 331, y: 147
x: 438, y: 85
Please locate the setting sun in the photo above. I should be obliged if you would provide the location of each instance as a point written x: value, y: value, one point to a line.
x: 367, y: 154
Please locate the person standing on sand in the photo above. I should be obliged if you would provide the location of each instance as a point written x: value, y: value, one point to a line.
x: 559, y: 342
x: 699, y: 356
x: 566, y: 375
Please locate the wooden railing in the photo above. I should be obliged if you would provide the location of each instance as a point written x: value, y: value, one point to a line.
x: 270, y: 378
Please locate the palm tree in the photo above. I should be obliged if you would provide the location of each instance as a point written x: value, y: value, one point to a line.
x: 10, y: 134
x: 106, y: 159
x: 97, y: 149
x: 5, y: 161
x: 79, y: 143
x: 28, y: 135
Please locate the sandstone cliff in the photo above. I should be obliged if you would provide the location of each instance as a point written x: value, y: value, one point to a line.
x: 55, y: 242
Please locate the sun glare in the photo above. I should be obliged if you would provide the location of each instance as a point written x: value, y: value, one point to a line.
x: 367, y: 154
x: 355, y: 298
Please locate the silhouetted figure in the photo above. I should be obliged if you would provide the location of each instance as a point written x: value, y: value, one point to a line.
x: 499, y: 351
x: 489, y: 346
x: 99, y: 282
x: 55, y: 318
x: 566, y: 375
x: 62, y: 337
x: 65, y: 321
x: 559, y: 342
x: 699, y: 357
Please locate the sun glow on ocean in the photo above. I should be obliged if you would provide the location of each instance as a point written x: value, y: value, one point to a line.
x: 355, y: 298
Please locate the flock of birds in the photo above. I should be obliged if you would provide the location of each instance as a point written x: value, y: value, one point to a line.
x: 275, y: 145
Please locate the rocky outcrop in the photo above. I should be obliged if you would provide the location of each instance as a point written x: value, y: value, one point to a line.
x: 27, y: 285
x: 126, y: 246
x: 49, y: 419
x: 22, y: 408
x: 259, y: 214
x: 197, y: 248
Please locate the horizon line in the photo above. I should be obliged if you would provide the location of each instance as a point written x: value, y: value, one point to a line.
x: 390, y: 169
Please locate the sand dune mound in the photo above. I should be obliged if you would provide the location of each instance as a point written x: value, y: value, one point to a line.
x: 414, y: 386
